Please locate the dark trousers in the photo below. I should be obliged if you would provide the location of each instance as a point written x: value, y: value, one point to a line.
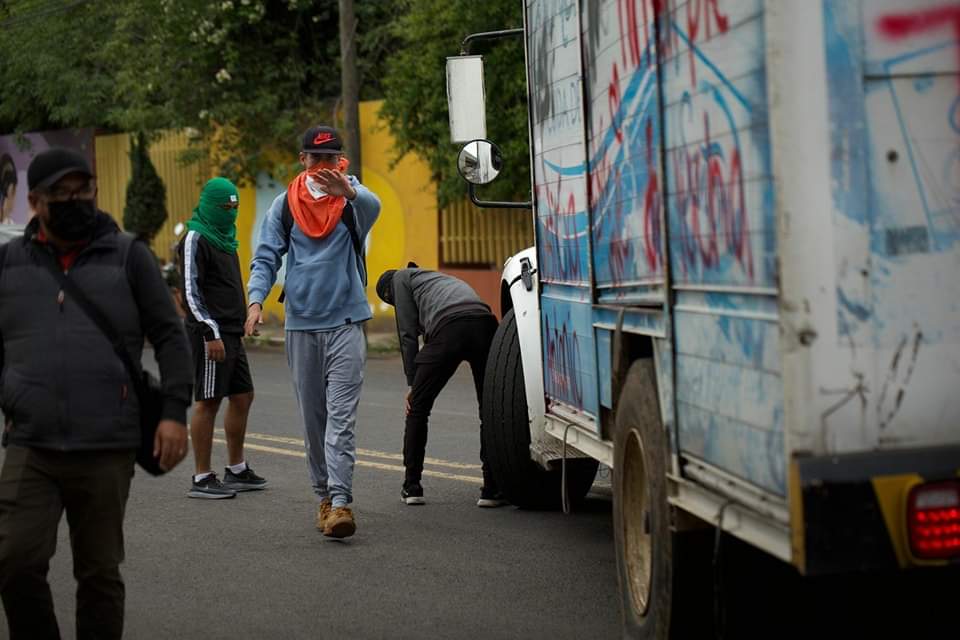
x: 462, y: 340
x: 36, y: 487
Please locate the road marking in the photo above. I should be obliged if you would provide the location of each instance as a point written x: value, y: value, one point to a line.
x: 371, y: 453
x: 433, y: 412
x: 361, y: 463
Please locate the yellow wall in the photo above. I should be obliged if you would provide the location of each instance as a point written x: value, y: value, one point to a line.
x: 406, y: 230
x: 408, y: 225
x: 183, y: 182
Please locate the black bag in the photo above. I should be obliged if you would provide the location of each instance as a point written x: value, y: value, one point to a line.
x: 146, y: 385
x: 151, y: 406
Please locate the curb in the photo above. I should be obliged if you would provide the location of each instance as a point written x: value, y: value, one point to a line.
x: 376, y: 343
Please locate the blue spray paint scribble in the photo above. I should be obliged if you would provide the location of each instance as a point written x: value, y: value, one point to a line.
x: 954, y: 117
x: 848, y: 116
x: 746, y: 334
x: 857, y: 310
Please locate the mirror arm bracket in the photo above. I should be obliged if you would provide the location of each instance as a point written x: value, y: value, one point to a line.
x: 487, y: 35
x: 491, y: 204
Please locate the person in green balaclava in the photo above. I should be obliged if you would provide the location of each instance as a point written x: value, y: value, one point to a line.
x: 215, y: 216
x: 216, y: 310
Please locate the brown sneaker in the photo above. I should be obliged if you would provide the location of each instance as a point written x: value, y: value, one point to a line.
x: 323, y: 512
x: 340, y: 523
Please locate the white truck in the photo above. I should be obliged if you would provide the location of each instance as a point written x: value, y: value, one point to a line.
x: 745, y: 291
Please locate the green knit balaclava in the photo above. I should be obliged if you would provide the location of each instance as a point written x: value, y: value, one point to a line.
x: 213, y: 219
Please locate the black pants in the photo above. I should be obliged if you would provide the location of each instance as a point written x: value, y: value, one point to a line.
x: 36, y: 487
x: 466, y: 339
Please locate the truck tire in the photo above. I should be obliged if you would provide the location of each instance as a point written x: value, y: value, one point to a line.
x: 506, y: 432
x: 663, y: 590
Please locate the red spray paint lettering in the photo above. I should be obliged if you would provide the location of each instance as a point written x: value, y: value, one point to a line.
x: 898, y: 26
x: 707, y: 190
x: 651, y: 208
x: 703, y: 18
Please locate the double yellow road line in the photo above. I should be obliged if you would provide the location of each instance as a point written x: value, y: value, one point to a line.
x: 253, y: 440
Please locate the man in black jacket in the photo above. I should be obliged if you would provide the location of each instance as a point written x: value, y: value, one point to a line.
x: 70, y: 408
x: 216, y: 310
x: 457, y: 326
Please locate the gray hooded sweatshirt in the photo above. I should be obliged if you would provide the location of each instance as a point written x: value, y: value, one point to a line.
x: 425, y: 301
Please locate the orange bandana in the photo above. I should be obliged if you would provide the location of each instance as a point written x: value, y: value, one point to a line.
x: 316, y: 217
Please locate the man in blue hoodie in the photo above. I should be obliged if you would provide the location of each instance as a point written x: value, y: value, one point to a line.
x: 320, y: 224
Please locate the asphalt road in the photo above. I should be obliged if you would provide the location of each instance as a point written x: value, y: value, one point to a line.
x: 256, y: 568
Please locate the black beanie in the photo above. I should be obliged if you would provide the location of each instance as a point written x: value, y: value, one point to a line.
x: 385, y: 286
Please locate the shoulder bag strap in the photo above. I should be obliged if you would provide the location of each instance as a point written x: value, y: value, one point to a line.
x: 99, y: 319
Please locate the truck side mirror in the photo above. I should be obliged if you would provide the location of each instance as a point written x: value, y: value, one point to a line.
x: 465, y: 98
x: 480, y: 162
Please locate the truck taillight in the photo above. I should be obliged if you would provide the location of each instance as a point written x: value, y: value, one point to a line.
x: 933, y: 520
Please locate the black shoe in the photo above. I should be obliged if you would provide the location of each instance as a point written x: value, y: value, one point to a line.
x: 210, y: 488
x: 491, y: 498
x: 246, y: 480
x: 412, y: 494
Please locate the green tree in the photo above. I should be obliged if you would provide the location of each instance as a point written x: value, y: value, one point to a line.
x: 247, y: 76
x: 415, y: 89
x: 146, y: 208
x: 50, y: 73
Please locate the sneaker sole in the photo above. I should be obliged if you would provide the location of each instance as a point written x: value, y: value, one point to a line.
x: 491, y: 504
x: 210, y: 496
x: 341, y: 530
x: 413, y: 500
x: 245, y: 487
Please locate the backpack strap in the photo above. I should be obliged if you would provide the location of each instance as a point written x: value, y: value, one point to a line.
x: 3, y: 255
x: 349, y: 220
x: 126, y: 240
x: 286, y: 219
x: 98, y: 317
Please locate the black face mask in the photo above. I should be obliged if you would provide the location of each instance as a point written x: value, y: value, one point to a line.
x: 72, y: 220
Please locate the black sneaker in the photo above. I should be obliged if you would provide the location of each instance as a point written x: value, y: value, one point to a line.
x: 246, y: 480
x: 491, y: 498
x: 412, y: 494
x: 210, y: 488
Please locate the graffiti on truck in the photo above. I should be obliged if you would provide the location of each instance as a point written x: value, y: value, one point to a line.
x: 893, y: 75
x: 935, y: 166
x: 912, y: 214
x: 721, y: 219
x: 621, y: 182
x: 624, y: 144
x: 563, y: 379
x: 710, y: 198
x: 569, y: 354
x: 711, y: 128
x: 557, y: 128
x: 900, y: 26
x: 670, y: 133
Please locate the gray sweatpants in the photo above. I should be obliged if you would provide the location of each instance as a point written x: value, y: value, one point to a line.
x: 327, y: 370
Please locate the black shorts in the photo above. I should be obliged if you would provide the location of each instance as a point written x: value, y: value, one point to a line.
x: 213, y: 380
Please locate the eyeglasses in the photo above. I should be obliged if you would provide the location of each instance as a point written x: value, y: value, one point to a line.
x: 83, y: 192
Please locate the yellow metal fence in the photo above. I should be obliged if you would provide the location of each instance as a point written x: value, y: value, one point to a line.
x: 183, y: 183
x: 470, y: 236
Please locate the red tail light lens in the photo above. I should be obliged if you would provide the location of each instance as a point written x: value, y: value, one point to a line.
x: 933, y: 520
